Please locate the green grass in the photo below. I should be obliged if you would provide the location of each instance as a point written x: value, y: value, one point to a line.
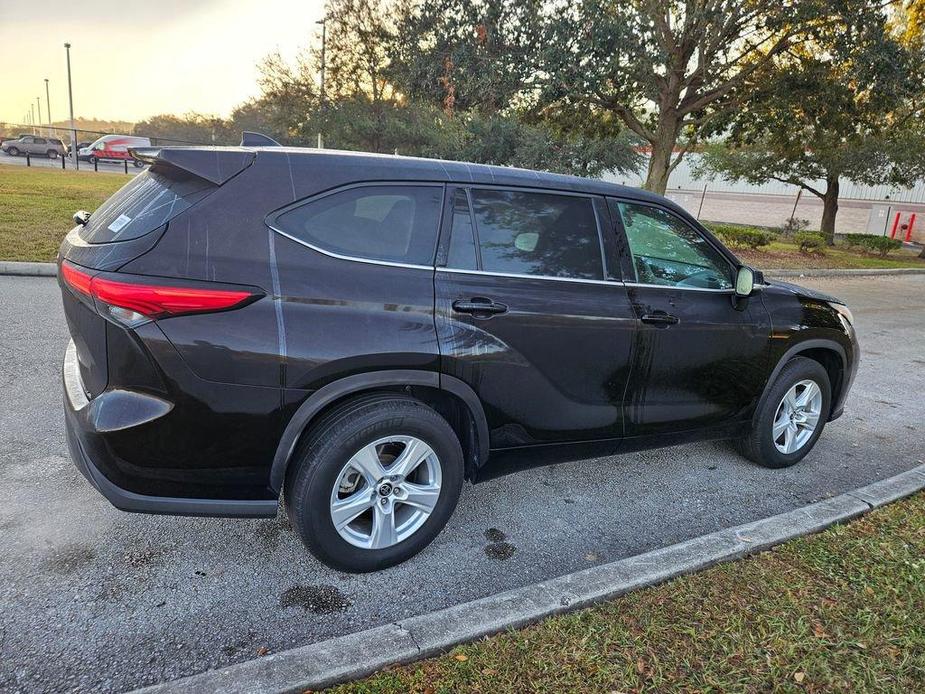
x: 36, y: 206
x: 836, y: 612
x: 785, y: 255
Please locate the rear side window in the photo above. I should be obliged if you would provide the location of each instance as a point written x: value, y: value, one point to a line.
x: 537, y: 234
x: 389, y: 223
x: 461, y: 253
x: 148, y: 201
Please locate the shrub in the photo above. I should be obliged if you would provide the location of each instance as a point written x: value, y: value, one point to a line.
x: 742, y: 237
x: 810, y: 242
x: 881, y: 245
x: 854, y: 240
x: 792, y: 226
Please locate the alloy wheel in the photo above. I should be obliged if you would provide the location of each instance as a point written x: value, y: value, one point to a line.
x: 386, y: 492
x: 797, y: 417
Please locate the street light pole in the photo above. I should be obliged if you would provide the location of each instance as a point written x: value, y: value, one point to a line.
x: 38, y: 106
x: 70, y: 99
x: 47, y: 102
x: 324, y: 33
x: 32, y: 119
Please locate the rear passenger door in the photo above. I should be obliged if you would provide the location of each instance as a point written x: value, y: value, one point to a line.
x: 530, y: 314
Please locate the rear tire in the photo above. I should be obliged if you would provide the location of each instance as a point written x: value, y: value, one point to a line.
x: 138, y: 163
x: 372, y: 433
x: 778, y: 440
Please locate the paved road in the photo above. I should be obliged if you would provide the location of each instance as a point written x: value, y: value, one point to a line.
x: 45, y: 162
x: 95, y: 599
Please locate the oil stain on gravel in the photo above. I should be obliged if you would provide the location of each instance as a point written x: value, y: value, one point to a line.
x: 270, y: 533
x: 321, y: 599
x: 497, y: 548
x: 68, y: 559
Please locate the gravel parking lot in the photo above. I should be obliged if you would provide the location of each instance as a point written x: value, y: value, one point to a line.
x: 95, y: 599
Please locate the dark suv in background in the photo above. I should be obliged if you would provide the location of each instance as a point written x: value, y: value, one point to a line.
x: 361, y: 333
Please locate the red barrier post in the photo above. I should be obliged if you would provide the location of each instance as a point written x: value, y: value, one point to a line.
x: 895, y: 226
x: 911, y: 224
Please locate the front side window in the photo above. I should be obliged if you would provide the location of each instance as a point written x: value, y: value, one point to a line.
x: 666, y: 251
x: 390, y: 223
x: 537, y: 234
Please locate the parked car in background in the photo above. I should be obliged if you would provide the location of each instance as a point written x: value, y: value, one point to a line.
x: 360, y: 333
x: 113, y: 148
x: 34, y: 145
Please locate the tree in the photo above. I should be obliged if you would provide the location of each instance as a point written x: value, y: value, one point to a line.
x: 838, y: 107
x: 194, y: 128
x: 669, y: 69
x: 365, y: 109
x: 464, y: 55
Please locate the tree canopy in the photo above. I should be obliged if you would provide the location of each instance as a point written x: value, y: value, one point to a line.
x: 838, y: 106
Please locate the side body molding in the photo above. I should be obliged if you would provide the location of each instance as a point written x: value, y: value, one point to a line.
x: 793, y: 351
x: 365, y: 382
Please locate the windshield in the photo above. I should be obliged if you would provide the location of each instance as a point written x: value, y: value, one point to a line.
x: 147, y: 202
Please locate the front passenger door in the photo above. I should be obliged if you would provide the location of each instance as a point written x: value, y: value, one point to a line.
x: 700, y: 361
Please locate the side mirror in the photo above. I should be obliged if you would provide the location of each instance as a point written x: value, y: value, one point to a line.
x: 81, y: 217
x: 745, y: 281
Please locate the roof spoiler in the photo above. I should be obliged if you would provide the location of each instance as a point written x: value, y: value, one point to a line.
x: 252, y: 139
x: 213, y: 164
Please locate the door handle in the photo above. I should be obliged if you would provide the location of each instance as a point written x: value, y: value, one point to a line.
x: 660, y: 318
x: 479, y: 305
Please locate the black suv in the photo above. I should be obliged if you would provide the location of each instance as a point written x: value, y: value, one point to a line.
x: 361, y: 333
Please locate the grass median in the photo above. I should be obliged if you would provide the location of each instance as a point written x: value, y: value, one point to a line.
x: 840, y: 611
x: 782, y: 255
x: 37, y: 206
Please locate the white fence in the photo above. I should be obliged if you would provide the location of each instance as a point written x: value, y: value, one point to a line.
x: 682, y: 178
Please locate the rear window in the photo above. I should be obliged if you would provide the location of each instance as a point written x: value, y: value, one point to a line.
x: 394, y: 223
x: 148, y: 201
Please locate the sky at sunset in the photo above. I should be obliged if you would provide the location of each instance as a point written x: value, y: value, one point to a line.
x: 132, y: 59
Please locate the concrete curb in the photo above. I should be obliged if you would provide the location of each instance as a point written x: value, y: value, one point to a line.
x: 325, y: 663
x: 853, y: 272
x: 10, y: 267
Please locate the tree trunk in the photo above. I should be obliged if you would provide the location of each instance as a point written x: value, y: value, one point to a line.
x: 829, y: 209
x: 666, y: 136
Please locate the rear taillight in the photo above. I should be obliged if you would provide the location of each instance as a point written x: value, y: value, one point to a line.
x: 133, y: 301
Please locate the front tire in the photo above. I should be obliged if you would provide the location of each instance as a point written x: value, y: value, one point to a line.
x: 13, y: 152
x: 374, y: 482
x: 791, y: 418
x: 52, y: 154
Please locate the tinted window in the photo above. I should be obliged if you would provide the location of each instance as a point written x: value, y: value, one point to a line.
x: 392, y: 223
x: 537, y: 234
x: 145, y: 203
x: 39, y: 141
x: 668, y: 251
x: 461, y: 253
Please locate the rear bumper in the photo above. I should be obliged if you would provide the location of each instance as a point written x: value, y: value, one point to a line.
x: 85, y: 419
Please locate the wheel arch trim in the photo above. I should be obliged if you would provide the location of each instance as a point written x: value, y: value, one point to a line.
x: 364, y: 382
x: 795, y: 350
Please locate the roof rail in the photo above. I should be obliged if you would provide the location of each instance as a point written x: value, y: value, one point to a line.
x: 251, y: 139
